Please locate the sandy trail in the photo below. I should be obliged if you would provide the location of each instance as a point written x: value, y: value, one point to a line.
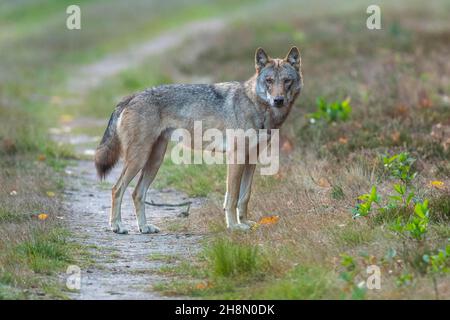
x: 92, y: 75
x: 124, y: 265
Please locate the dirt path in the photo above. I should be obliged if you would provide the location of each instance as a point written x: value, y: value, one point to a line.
x: 124, y: 265
x: 92, y: 75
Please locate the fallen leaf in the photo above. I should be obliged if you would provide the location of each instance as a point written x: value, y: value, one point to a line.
x: 401, y: 110
x: 41, y: 157
x: 51, y: 194
x: 42, y: 216
x: 437, y: 184
x: 343, y: 140
x: 269, y: 220
x: 287, y: 146
x: 201, y: 286
x: 323, y: 182
x: 395, y: 136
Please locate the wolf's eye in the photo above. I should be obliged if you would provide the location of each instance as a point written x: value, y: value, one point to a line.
x: 269, y: 81
x: 287, y: 82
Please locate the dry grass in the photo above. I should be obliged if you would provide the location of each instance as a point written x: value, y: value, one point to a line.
x: 397, y: 80
x: 314, y: 230
x: 31, y: 249
x: 398, y: 83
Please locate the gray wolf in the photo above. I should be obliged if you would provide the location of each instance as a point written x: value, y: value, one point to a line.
x: 140, y: 127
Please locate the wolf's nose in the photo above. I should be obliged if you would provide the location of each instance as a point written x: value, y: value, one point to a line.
x: 278, y: 101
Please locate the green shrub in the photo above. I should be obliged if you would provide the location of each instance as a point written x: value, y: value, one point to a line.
x: 417, y: 226
x: 331, y: 112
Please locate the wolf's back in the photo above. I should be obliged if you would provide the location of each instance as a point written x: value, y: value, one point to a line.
x: 109, y: 150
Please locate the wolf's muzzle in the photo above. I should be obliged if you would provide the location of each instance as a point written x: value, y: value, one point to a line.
x: 278, y: 102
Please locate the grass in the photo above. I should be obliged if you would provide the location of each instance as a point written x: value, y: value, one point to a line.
x: 396, y: 83
x: 163, y: 257
x: 47, y: 252
x: 352, y: 235
x: 32, y: 251
x: 38, y: 55
x: 197, y: 180
x: 301, y: 283
x: 225, y: 264
x: 228, y: 259
x: 393, y: 79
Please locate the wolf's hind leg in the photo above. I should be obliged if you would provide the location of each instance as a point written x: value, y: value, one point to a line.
x: 244, y: 194
x: 234, y: 175
x: 128, y: 173
x: 147, y: 176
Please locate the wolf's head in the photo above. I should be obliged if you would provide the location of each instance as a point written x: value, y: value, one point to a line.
x: 278, y: 81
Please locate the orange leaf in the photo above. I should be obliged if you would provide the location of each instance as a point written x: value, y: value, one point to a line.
x: 395, y: 136
x: 42, y: 216
x: 343, y: 140
x: 437, y: 184
x: 269, y: 220
x: 323, y: 182
x: 201, y: 286
x: 287, y: 146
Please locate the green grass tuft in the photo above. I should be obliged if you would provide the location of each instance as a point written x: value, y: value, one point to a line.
x: 302, y: 283
x: 227, y: 259
x: 45, y: 252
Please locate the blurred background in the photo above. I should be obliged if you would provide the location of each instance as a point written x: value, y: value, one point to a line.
x: 58, y: 87
x: 50, y: 73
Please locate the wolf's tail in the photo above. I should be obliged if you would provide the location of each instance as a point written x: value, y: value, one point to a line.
x: 109, y: 150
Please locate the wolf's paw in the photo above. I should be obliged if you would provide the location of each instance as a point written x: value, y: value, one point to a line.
x: 118, y: 228
x: 149, y: 228
x: 239, y: 227
x: 250, y: 223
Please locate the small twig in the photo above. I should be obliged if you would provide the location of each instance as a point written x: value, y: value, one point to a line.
x: 187, y: 203
x: 183, y: 214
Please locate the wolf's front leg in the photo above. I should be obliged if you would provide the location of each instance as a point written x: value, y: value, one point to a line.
x: 234, y: 175
x: 244, y: 194
x: 139, y: 204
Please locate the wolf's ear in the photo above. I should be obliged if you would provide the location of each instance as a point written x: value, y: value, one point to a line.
x: 293, y: 58
x: 261, y: 59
